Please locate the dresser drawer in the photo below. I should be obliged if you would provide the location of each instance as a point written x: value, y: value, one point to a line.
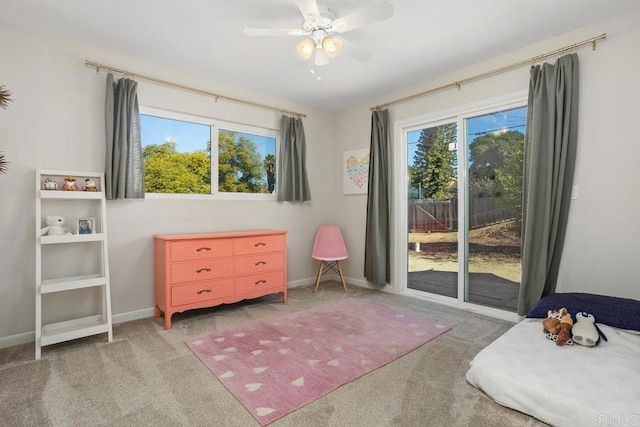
x: 257, y: 282
x: 252, y: 264
x: 202, y: 291
x: 259, y: 244
x: 201, y: 249
x: 201, y: 270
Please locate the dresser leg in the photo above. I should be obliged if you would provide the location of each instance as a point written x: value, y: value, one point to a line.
x: 284, y: 297
x: 156, y: 311
x: 167, y: 321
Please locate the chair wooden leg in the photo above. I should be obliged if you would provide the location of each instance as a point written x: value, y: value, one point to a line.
x: 344, y: 285
x: 318, y: 276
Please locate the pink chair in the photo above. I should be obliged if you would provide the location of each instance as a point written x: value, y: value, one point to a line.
x: 329, y: 249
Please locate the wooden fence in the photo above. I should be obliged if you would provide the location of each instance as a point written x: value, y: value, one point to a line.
x: 442, y: 215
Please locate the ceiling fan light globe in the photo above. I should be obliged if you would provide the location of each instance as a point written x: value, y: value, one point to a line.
x: 321, y: 58
x: 331, y: 46
x: 306, y: 48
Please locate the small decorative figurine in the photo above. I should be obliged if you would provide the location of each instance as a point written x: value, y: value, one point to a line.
x: 89, y: 185
x: 69, y: 183
x: 49, y: 184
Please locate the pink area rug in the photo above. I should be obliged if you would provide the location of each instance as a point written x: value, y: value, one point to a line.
x: 278, y: 365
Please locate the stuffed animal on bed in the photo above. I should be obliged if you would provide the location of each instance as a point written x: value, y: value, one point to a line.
x: 564, y: 335
x: 585, y: 331
x: 557, y: 326
x: 551, y: 325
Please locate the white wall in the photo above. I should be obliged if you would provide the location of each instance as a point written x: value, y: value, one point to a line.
x: 603, y: 236
x: 57, y: 122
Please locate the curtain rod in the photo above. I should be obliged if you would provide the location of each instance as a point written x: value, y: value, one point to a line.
x: 459, y: 83
x: 190, y: 89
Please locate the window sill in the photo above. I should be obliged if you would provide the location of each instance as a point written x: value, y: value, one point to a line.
x: 219, y: 196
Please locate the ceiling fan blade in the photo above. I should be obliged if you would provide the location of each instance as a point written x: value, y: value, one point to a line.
x: 355, y: 51
x: 274, y: 32
x: 309, y: 9
x: 364, y: 16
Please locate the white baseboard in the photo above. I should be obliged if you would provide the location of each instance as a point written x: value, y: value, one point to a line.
x: 17, y: 339
x: 27, y: 337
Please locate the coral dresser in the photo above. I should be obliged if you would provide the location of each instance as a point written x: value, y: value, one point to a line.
x: 204, y: 270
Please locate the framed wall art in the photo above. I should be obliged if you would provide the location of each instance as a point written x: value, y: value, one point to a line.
x: 355, y: 171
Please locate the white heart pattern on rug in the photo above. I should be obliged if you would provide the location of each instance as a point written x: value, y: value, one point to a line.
x: 299, y: 382
x: 338, y: 349
x: 253, y: 386
x: 284, y: 351
x: 413, y: 325
x: 230, y: 349
x: 227, y: 374
x: 364, y: 362
x: 219, y: 357
x: 260, y: 369
x: 264, y: 411
x: 218, y: 339
x: 285, y: 338
x: 307, y: 341
x: 265, y: 342
x: 334, y: 362
x: 256, y: 352
x: 239, y: 335
x: 313, y: 362
x: 197, y: 342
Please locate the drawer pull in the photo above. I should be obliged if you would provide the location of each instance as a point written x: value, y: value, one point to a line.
x: 259, y: 244
x: 260, y: 281
x: 200, y: 292
x: 203, y: 249
x: 260, y: 263
x: 203, y: 269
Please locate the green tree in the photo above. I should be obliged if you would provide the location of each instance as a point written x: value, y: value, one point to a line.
x: 168, y: 171
x: 240, y: 165
x: 496, y: 167
x: 434, y: 165
x: 270, y: 169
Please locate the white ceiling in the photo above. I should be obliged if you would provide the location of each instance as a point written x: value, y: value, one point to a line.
x: 423, y: 39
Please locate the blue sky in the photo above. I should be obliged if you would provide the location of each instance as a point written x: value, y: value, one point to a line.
x: 513, y: 120
x: 190, y: 136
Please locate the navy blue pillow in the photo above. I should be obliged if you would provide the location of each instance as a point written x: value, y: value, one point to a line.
x: 621, y: 313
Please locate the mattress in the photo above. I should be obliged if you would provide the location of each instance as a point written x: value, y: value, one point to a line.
x: 562, y: 385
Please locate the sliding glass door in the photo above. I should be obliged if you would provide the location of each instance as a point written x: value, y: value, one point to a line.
x: 464, y: 206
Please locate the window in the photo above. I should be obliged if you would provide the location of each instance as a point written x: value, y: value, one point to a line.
x: 179, y: 157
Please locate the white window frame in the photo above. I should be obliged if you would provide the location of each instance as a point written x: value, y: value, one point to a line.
x: 400, y: 190
x: 215, y: 125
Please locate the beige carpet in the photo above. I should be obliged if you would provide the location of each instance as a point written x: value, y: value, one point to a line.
x: 148, y: 376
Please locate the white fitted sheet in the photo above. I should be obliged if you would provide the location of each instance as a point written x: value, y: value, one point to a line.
x: 562, y: 385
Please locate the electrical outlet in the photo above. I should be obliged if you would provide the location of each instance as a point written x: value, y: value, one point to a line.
x: 574, y: 192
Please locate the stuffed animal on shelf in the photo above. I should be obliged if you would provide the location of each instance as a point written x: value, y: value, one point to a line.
x: 585, y: 331
x: 89, y: 185
x: 55, y: 226
x: 69, y: 183
x: 49, y: 184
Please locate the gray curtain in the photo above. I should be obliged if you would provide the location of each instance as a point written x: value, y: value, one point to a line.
x: 292, y: 182
x: 376, y: 250
x: 549, y: 160
x: 124, y: 168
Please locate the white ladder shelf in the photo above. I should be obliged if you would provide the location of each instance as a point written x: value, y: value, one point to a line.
x: 73, y: 205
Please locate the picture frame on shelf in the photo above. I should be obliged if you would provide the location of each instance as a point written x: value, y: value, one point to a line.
x: 85, y: 226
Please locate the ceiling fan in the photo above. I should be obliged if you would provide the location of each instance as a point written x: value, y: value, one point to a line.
x: 321, y: 28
